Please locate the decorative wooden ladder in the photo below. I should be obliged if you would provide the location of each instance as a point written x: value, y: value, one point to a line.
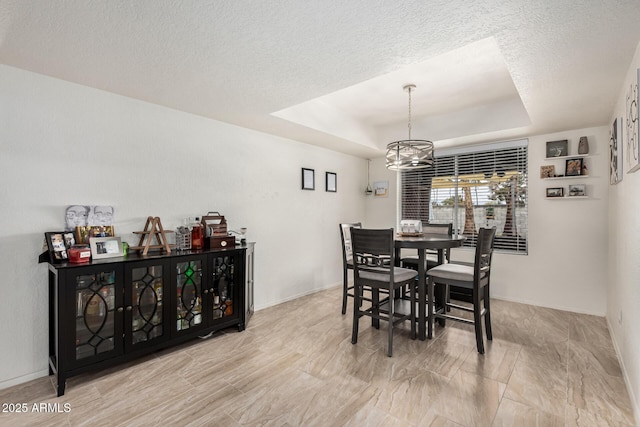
x: 153, y: 228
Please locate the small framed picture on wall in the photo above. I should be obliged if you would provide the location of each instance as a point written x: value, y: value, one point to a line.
x: 555, y: 192
x: 573, y: 167
x: 308, y: 179
x: 331, y: 179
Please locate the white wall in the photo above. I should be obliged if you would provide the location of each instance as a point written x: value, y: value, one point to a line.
x: 63, y: 144
x: 566, y: 265
x: 623, y: 291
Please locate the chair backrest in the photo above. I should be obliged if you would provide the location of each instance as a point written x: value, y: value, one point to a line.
x: 345, y: 236
x: 438, y: 229
x: 373, y: 250
x: 484, y: 252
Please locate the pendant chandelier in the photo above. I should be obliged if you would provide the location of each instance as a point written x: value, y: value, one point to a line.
x: 409, y: 153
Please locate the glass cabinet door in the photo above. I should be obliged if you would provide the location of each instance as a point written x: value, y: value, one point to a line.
x: 224, y: 287
x: 95, y: 296
x: 147, y: 303
x: 189, y: 294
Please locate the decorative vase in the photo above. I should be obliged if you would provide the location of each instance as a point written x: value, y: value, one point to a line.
x: 583, y: 145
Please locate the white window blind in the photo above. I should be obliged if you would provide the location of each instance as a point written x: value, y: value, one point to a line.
x: 485, y: 187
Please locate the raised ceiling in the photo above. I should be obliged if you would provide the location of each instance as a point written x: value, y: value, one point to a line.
x: 331, y: 73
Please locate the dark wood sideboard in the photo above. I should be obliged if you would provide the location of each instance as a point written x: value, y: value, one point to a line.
x: 113, y: 310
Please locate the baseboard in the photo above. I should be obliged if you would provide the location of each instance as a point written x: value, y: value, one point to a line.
x: 296, y: 296
x: 23, y: 379
x: 636, y: 409
x: 556, y: 307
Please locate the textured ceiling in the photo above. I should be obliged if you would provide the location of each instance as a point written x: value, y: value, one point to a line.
x: 331, y: 73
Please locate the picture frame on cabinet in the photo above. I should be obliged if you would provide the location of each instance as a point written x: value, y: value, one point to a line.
x: 555, y: 192
x: 547, y: 171
x: 105, y: 247
x: 56, y: 246
x: 331, y: 182
x: 573, y: 167
x: 85, y: 232
x: 558, y: 148
x: 308, y: 179
x: 577, y: 190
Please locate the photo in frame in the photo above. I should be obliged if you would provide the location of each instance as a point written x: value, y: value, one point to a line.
x: 105, y: 247
x: 558, y: 148
x: 555, y: 192
x: 331, y: 182
x: 83, y: 215
x: 615, y: 152
x: 85, y: 232
x: 308, y: 179
x: 547, y: 171
x: 573, y: 167
x: 56, y: 246
x: 577, y: 190
x: 632, y: 133
x: 381, y: 189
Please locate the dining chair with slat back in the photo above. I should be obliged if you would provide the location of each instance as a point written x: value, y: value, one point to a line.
x: 411, y: 261
x: 474, y: 277
x: 347, y: 261
x: 373, y: 262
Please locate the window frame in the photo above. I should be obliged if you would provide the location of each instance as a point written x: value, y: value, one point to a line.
x: 505, y: 161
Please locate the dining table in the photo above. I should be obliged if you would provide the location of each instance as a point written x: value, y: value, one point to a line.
x: 421, y: 242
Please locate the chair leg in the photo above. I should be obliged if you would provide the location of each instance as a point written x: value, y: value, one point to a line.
x: 390, y: 322
x: 430, y: 316
x: 487, y: 314
x: 477, y: 319
x: 412, y: 300
x: 440, y: 292
x: 356, y: 315
x: 345, y: 285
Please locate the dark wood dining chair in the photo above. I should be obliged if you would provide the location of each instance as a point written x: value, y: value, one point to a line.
x: 347, y: 261
x: 431, y: 255
x: 411, y: 261
x: 374, y: 268
x: 475, y: 277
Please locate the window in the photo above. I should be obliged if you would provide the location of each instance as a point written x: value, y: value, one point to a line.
x: 473, y: 187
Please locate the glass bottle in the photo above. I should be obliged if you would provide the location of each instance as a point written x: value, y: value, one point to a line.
x: 229, y: 310
x: 197, y: 235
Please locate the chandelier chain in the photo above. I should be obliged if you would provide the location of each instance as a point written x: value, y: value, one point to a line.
x: 409, y: 123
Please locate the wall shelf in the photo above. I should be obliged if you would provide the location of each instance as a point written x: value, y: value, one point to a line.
x: 567, y: 197
x: 555, y: 178
x: 575, y: 156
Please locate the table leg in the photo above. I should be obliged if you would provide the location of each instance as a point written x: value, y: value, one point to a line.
x: 422, y: 296
x: 440, y: 296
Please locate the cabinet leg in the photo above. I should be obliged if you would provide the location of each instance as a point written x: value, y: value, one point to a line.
x: 240, y: 327
x: 62, y: 383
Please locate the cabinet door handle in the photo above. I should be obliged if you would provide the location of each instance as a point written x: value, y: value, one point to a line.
x: 119, y: 310
x: 129, y: 308
x: 206, y: 291
x: 211, y: 290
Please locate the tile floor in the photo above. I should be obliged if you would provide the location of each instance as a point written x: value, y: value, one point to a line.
x: 295, y: 366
